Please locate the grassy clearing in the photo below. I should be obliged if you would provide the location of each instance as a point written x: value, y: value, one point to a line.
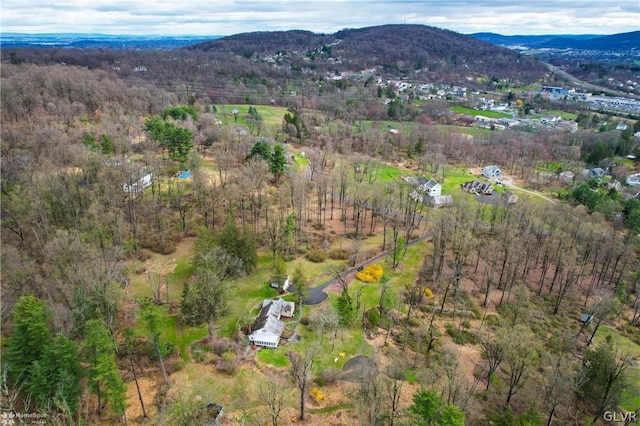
x: 275, y: 357
x: 473, y: 131
x: 631, y: 396
x: 565, y: 115
x: 474, y: 112
x: 182, y: 336
x: 271, y: 115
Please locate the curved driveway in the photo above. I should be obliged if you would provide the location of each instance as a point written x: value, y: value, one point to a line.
x: 317, y: 294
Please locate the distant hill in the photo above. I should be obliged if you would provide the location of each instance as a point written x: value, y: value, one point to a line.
x: 97, y: 41
x: 623, y: 41
x: 525, y: 40
x: 615, y: 42
x: 396, y: 47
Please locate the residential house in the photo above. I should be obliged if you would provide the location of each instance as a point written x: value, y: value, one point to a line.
x: 569, y: 125
x: 492, y: 172
x: 467, y: 120
x: 139, y: 184
x: 597, y: 172
x: 284, y: 287
x: 508, y: 122
x: 631, y: 193
x: 429, y: 187
x: 509, y: 197
x: 268, y: 327
x: 439, y: 200
x: 478, y: 187
x: 550, y: 119
x: 621, y: 127
x: 566, y: 176
x: 633, y: 180
x: 615, y: 185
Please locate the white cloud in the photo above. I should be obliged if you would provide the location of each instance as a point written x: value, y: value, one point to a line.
x: 231, y: 17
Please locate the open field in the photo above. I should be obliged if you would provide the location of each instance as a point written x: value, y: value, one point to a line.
x: 474, y: 112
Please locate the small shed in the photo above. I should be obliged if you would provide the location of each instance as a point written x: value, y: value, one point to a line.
x: 586, y: 318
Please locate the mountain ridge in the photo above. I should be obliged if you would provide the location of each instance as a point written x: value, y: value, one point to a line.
x: 620, y: 41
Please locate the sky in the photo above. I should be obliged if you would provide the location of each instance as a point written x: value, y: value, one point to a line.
x: 214, y: 17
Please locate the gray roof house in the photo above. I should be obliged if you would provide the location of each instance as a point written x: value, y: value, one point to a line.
x: 509, y: 197
x: 429, y: 187
x: 491, y: 172
x: 477, y: 187
x: 268, y: 327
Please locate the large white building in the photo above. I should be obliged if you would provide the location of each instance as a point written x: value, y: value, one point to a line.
x: 268, y: 327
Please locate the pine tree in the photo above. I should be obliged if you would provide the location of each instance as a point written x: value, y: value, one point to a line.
x: 30, y: 337
x: 104, y: 379
x: 55, y: 378
x: 300, y: 285
x: 154, y: 317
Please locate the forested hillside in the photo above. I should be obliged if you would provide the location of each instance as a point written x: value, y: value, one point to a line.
x: 151, y: 201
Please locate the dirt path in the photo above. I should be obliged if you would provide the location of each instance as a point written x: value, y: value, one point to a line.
x: 508, y: 182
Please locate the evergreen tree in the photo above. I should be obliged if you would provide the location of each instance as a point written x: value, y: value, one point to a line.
x: 104, y: 380
x: 30, y: 337
x: 300, y: 285
x: 239, y: 244
x: 427, y: 409
x: 277, y: 162
x: 279, y: 271
x: 260, y: 149
x: 154, y: 318
x: 55, y: 378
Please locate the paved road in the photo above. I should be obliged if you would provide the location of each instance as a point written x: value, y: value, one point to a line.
x: 317, y: 294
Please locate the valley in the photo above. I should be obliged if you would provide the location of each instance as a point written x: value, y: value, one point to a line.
x: 472, y: 226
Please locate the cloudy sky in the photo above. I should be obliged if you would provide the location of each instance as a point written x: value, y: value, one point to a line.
x: 214, y: 17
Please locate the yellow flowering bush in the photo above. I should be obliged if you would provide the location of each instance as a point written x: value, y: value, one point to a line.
x: 316, y: 394
x: 428, y: 293
x: 371, y: 273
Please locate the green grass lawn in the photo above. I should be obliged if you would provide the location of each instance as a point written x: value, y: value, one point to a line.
x: 631, y: 397
x: 565, y: 115
x: 183, y: 336
x: 275, y: 357
x: 474, y: 112
x: 389, y: 173
x: 271, y: 115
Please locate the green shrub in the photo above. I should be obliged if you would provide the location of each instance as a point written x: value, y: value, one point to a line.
x: 373, y: 315
x: 316, y: 256
x: 414, y: 322
x: 339, y: 254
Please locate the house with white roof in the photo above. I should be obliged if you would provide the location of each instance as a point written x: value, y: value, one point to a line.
x: 268, y: 326
x: 491, y: 172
